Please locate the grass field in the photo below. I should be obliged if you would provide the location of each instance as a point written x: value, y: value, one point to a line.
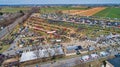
x: 14, y: 9
x: 53, y: 9
x: 4, y: 48
x: 112, y: 12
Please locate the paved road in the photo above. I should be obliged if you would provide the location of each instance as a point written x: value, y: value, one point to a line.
x: 11, y: 27
x: 72, y: 61
x: 60, y: 63
x: 69, y: 62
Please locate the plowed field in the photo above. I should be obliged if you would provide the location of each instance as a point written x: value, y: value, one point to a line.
x: 88, y: 12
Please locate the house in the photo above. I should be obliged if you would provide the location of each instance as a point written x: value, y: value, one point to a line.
x: 108, y: 64
x: 1, y: 17
x: 115, y: 62
x: 41, y: 53
x: 12, y: 62
x: 35, y: 15
x: 72, y: 50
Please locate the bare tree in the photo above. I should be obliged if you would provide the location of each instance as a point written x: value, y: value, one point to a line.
x: 56, y: 51
x: 36, y: 51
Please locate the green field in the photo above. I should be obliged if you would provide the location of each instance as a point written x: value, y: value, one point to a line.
x: 53, y: 9
x: 4, y: 48
x: 14, y: 9
x: 112, y: 12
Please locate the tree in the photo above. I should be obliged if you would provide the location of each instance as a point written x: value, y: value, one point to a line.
x: 21, y: 12
x: 1, y: 13
x: 104, y: 63
x: 36, y: 51
x: 59, y: 13
x: 0, y: 47
x: 56, y: 53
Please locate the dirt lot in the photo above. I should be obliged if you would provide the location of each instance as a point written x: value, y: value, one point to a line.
x: 88, y: 12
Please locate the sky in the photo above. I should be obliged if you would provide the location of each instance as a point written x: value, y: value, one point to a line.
x: 2, y: 2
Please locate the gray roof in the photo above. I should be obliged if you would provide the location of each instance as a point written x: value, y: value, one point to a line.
x: 31, y: 55
x: 115, y: 61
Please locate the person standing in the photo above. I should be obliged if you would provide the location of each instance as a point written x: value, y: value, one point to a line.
x: 36, y: 65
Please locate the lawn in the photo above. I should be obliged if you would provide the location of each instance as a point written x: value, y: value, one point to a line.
x: 14, y: 9
x: 4, y: 48
x: 53, y: 9
x: 112, y: 12
x: 8, y: 36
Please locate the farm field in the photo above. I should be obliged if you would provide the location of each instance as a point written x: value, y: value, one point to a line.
x: 112, y: 12
x: 14, y: 9
x: 87, y: 12
x: 54, y: 9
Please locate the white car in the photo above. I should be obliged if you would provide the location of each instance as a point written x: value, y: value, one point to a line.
x: 94, y: 56
x: 85, y: 58
x: 103, y: 53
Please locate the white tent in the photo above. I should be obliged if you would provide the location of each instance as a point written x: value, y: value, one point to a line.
x: 85, y: 58
x: 31, y: 55
x: 94, y: 55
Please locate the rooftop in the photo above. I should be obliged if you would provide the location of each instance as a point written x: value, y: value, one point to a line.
x: 115, y: 61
